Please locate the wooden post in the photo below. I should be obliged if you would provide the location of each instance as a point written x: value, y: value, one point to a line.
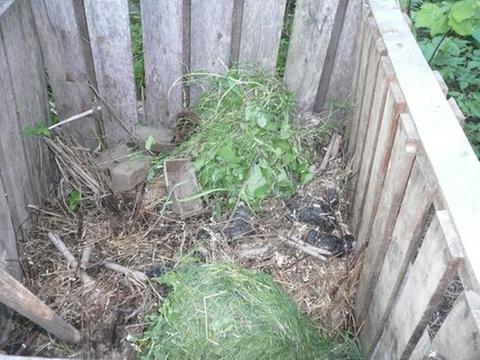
x: 19, y: 298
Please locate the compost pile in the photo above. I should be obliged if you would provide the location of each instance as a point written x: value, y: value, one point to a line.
x: 274, y: 201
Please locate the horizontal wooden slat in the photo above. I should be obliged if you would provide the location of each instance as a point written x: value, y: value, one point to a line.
x: 109, y: 29
x: 453, y: 162
x: 435, y: 265
x: 162, y: 25
x: 398, y: 172
x: 459, y: 335
x: 404, y: 241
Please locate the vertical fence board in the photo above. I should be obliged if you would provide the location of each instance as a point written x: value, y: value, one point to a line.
x: 459, y: 335
x: 398, y: 172
x: 210, y: 37
x: 26, y: 71
x: 312, y: 27
x: 63, y: 53
x: 109, y: 29
x: 435, y: 265
x: 405, y: 238
x: 394, y: 105
x: 385, y: 77
x: 262, y: 23
x: 162, y: 24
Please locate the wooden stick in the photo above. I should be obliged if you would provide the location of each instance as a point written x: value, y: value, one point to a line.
x: 138, y: 275
x: 307, y: 249
x: 75, y: 117
x: 332, y: 151
x: 19, y: 298
x: 62, y: 248
x: 253, y: 252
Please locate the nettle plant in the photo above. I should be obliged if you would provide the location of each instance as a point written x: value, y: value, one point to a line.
x: 449, y: 34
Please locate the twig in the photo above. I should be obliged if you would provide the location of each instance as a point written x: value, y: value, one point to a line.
x: 332, y: 151
x: 310, y: 250
x: 76, y: 117
x: 62, y: 249
x: 138, y: 275
x: 253, y: 252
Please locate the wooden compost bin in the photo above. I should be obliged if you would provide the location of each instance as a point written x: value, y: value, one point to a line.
x: 416, y: 194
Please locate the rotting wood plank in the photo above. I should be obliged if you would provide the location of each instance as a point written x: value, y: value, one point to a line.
x: 459, y: 335
x: 210, y: 38
x: 398, y: 173
x: 261, y: 29
x: 453, y: 161
x: 19, y: 298
x: 25, y: 68
x: 339, y: 91
x: 109, y: 30
x: 394, y: 105
x: 384, y: 78
x: 437, y: 261
x: 404, y: 241
x: 63, y: 52
x: 311, y: 32
x: 162, y: 24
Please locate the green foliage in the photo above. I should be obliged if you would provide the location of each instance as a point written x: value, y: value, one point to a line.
x: 74, y: 201
x: 452, y: 44
x: 137, y: 44
x: 149, y: 142
x: 244, y: 142
x: 285, y: 38
x: 39, y: 129
x: 223, y: 311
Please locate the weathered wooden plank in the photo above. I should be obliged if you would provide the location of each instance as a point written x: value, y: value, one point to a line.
x: 311, y: 32
x: 394, y: 105
x: 260, y: 33
x: 435, y: 265
x: 459, y: 335
x: 441, y: 82
x: 62, y: 49
x: 339, y: 90
x: 109, y: 30
x: 422, y: 348
x: 19, y: 298
x: 456, y: 110
x: 360, y: 86
x: 398, y: 172
x: 162, y: 24
x: 453, y: 161
x: 384, y: 78
x: 403, y: 243
x: 25, y: 68
x: 210, y: 37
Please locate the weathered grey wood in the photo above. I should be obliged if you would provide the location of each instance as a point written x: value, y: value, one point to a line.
x: 109, y: 30
x: 162, y: 25
x: 16, y: 296
x: 384, y: 78
x: 441, y: 82
x: 437, y: 261
x: 312, y: 27
x: 403, y: 243
x: 394, y: 105
x: 210, y: 37
x: 63, y: 53
x: 456, y: 110
x: 25, y: 68
x: 398, y: 172
x: 15, y: 357
x: 339, y: 91
x: 260, y: 33
x: 453, y: 161
x: 422, y: 349
x: 4, y: 5
x: 459, y: 335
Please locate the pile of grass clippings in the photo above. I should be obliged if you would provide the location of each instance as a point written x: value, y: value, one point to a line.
x: 245, y: 146
x: 223, y: 311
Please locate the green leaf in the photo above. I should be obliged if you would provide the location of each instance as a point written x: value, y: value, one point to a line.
x: 228, y: 154
x: 256, y: 186
x: 476, y: 33
x: 432, y: 17
x: 262, y: 119
x: 149, y: 142
x: 463, y: 10
x: 38, y: 129
x: 73, y: 200
x: 463, y: 28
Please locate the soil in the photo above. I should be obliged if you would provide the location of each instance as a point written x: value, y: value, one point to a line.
x: 138, y: 231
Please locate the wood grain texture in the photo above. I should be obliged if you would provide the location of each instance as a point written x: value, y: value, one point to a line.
x: 459, y: 335
x: 19, y: 298
x: 109, y: 30
x: 398, y: 172
x: 339, y: 91
x: 422, y: 348
x: 210, y: 38
x: 25, y: 69
x: 261, y: 29
x: 454, y: 164
x: 162, y: 24
x: 63, y: 52
x: 311, y: 32
x: 384, y: 78
x: 404, y: 241
x: 437, y: 261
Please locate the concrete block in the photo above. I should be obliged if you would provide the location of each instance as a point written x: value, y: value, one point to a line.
x: 128, y: 174
x: 163, y: 138
x: 110, y: 158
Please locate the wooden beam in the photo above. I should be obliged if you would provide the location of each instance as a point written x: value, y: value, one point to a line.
x: 19, y: 298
